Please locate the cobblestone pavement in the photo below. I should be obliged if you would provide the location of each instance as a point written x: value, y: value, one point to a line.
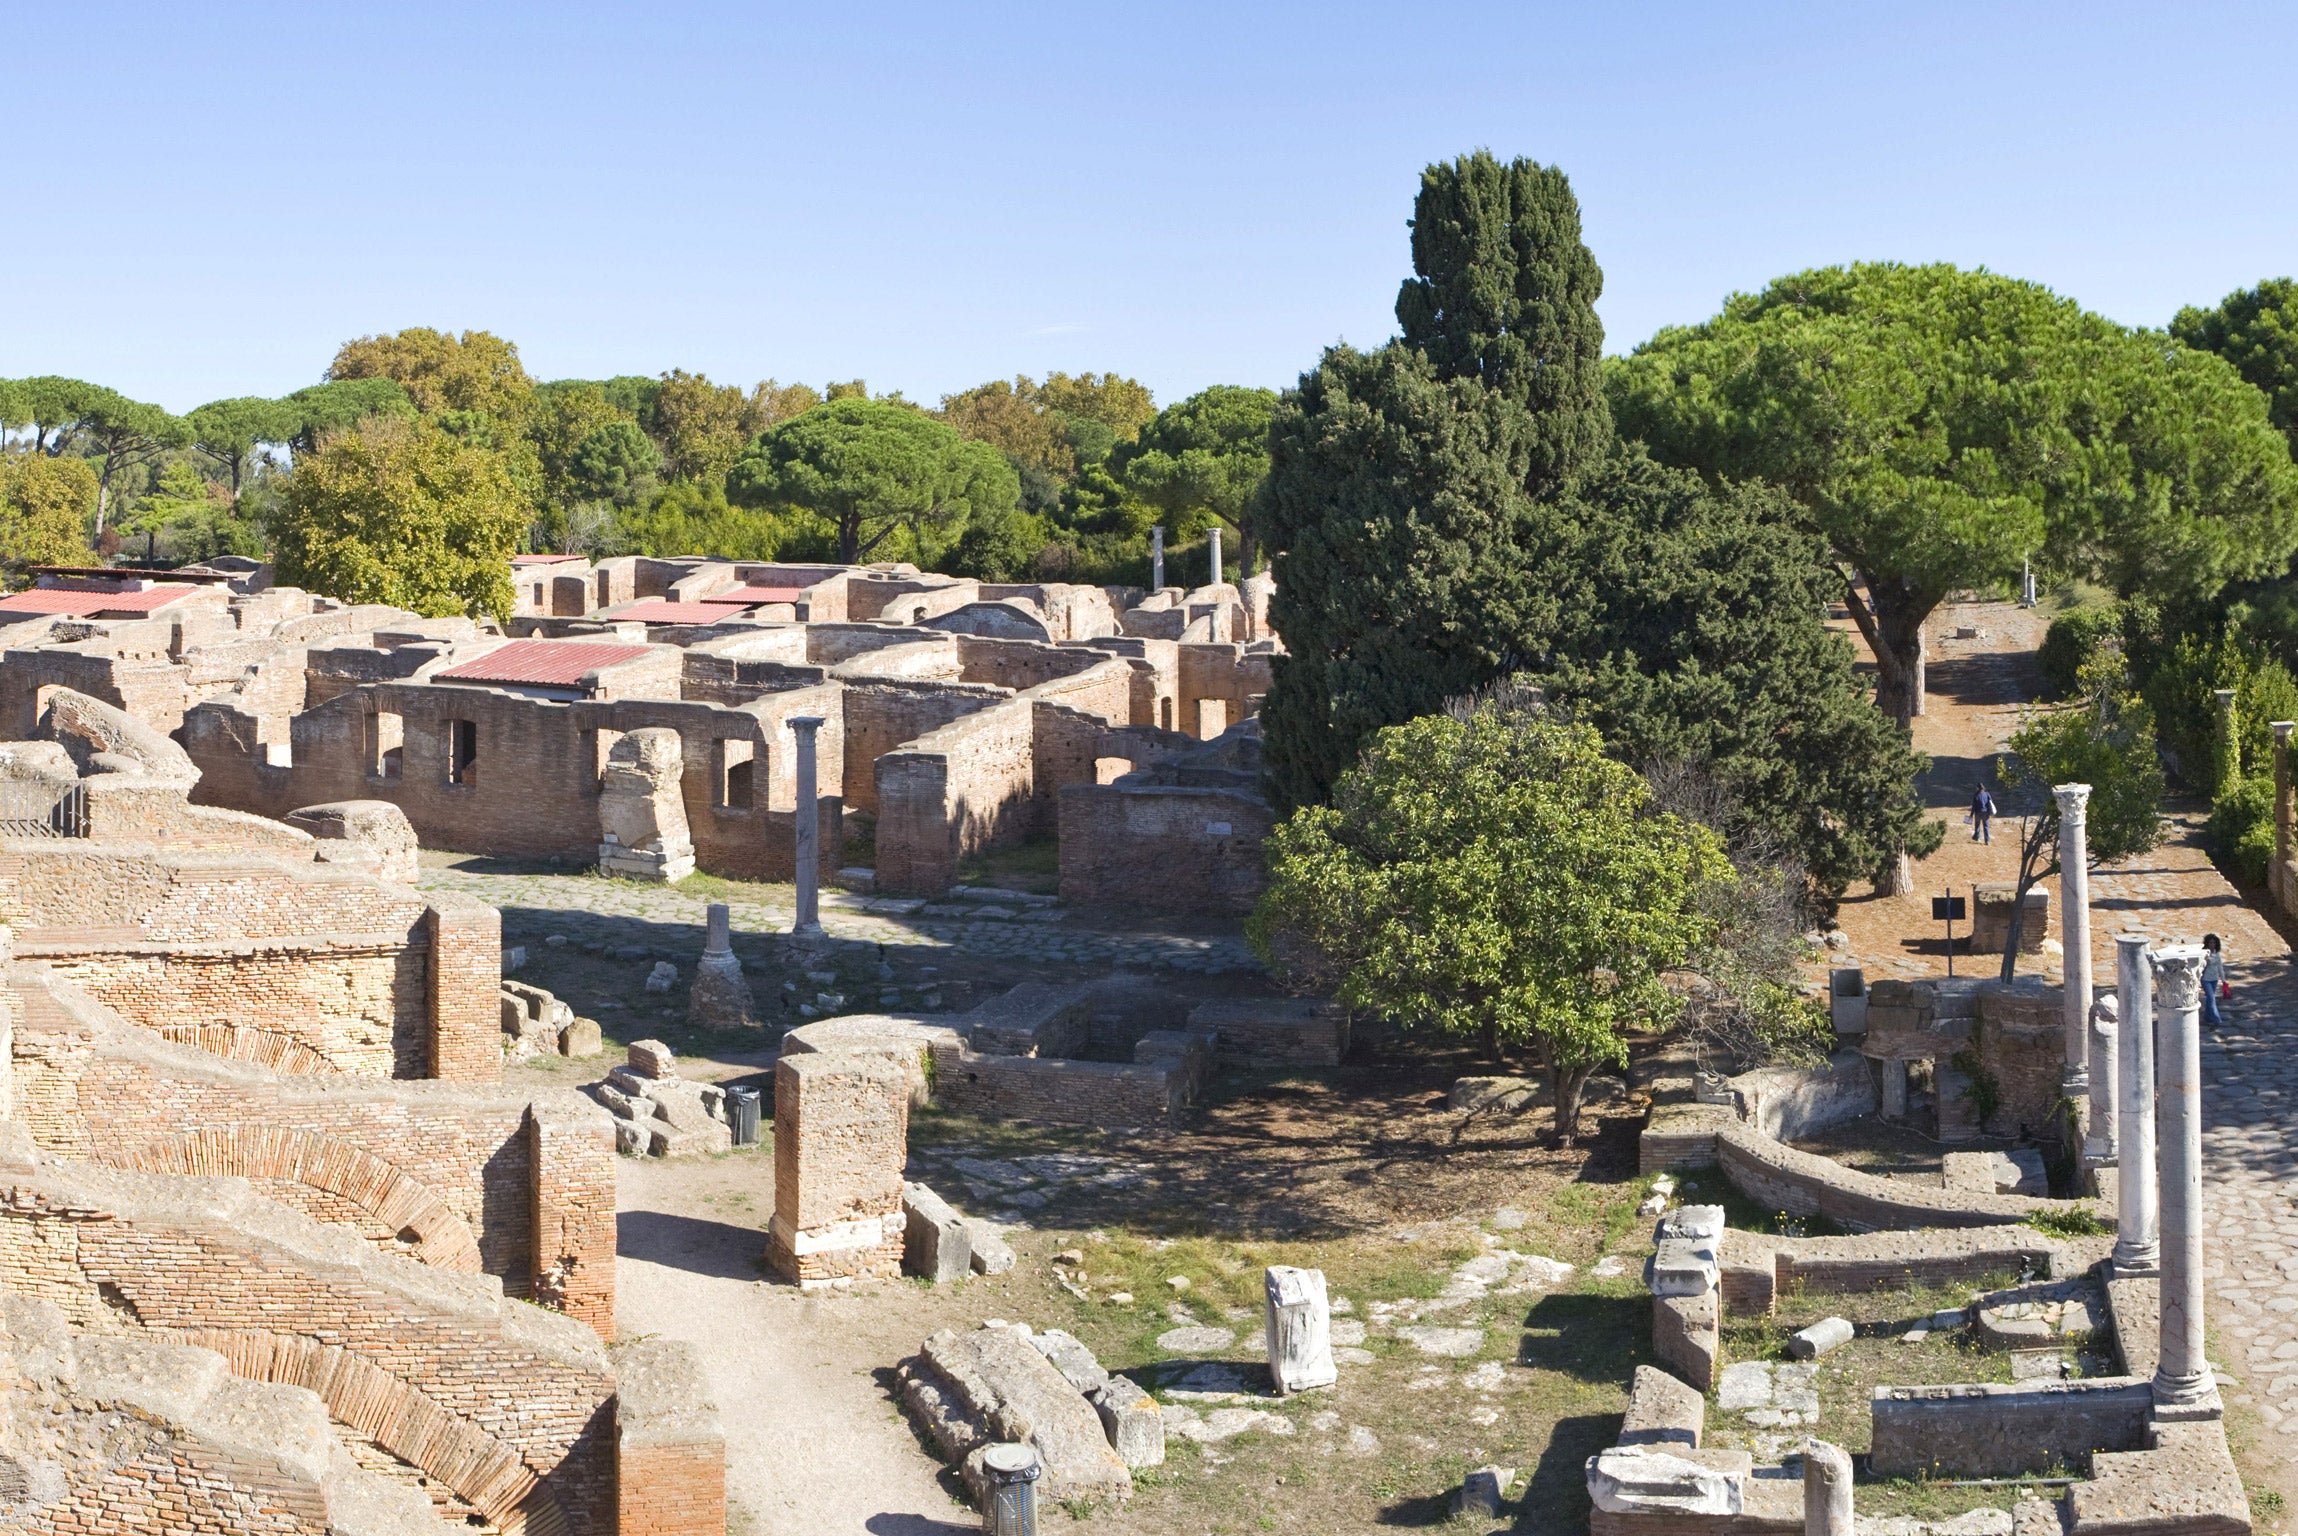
x: 1008, y: 924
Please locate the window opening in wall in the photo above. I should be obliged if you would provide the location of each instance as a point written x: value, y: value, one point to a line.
x: 386, y: 743
x: 736, y: 766
x: 462, y: 750
x: 1165, y: 713
x: 602, y: 747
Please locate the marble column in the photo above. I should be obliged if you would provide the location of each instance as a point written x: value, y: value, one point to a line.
x: 2282, y: 730
x: 1216, y: 535
x: 2075, y: 932
x: 2099, y: 1142
x: 1156, y: 557
x: 2183, y: 1388
x: 2137, y: 1249
x: 808, y: 820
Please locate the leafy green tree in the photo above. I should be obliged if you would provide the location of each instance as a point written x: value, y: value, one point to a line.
x: 2255, y: 329
x: 229, y: 432
x: 616, y: 462
x: 1688, y: 627
x: 339, y: 407
x: 476, y: 371
x: 688, y: 518
x: 1409, y: 488
x: 702, y: 426
x: 1120, y: 406
x: 2103, y: 738
x: 564, y: 415
x: 1938, y: 425
x: 1495, y: 878
x: 873, y: 469
x: 188, y: 517
x: 1206, y: 457
x: 118, y: 435
x: 46, y: 507
x: 1014, y: 419
x: 401, y: 512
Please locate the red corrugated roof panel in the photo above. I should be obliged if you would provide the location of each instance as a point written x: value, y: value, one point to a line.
x: 758, y: 595
x: 661, y: 610
x: 547, y: 663
x: 96, y: 605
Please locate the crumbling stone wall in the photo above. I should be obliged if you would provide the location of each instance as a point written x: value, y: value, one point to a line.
x: 841, y: 1135
x: 1053, y: 1090
x: 1163, y: 847
x: 952, y: 792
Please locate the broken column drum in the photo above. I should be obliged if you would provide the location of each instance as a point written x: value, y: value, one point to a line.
x: 2137, y: 1251
x: 2105, y: 1054
x: 642, y: 809
x: 808, y: 821
x: 2182, y: 1382
x: 2075, y: 930
x: 1299, y: 1324
x: 1826, y: 1490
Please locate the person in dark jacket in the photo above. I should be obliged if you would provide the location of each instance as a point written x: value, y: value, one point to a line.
x: 1982, y: 816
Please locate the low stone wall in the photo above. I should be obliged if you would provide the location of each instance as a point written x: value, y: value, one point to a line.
x: 1792, y: 1102
x: 1758, y: 1268
x: 1780, y: 1178
x: 1275, y: 1031
x: 1054, y: 1091
x: 2001, y: 1429
x: 1163, y: 847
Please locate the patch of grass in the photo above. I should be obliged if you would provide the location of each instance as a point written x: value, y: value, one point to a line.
x: 2068, y: 1221
x: 1034, y: 866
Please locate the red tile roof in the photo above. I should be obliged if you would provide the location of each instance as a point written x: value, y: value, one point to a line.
x: 96, y: 605
x: 661, y: 610
x: 552, y: 663
x: 758, y: 595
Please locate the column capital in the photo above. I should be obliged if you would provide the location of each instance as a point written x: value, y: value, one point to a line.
x: 2073, y: 799
x: 806, y: 725
x: 2282, y: 730
x: 2178, y: 976
x: 2224, y: 696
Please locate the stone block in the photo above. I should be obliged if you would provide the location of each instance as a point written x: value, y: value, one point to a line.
x: 1298, y: 1323
x: 1990, y: 1429
x: 581, y: 1038
x: 1132, y: 1421
x: 1687, y: 1336
x: 1991, y: 908
x: 1822, y: 1336
x: 1639, y: 1480
x: 1683, y: 1266
x: 1691, y: 1223
x: 2017, y: 1172
x: 690, y: 1132
x: 937, y: 1243
x: 841, y: 1126
x: 662, y: 978
x: 987, y: 1386
x: 1662, y: 1411
x: 632, y: 1137
x: 991, y: 1256
x: 651, y: 1058
x: 1072, y: 1359
x: 1482, y: 1492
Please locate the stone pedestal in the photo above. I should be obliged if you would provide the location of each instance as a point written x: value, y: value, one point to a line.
x: 808, y: 822
x: 2099, y: 1144
x: 2137, y: 1249
x: 2183, y: 1388
x: 1299, y: 1323
x: 720, y: 997
x: 2075, y: 931
x: 841, y: 1133
x: 642, y: 809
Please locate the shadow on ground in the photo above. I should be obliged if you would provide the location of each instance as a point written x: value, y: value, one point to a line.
x: 719, y: 1249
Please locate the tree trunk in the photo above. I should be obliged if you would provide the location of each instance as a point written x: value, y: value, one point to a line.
x: 1248, y: 550
x: 1566, y: 1086
x: 849, y: 540
x: 1890, y: 616
x: 1898, y: 877
x: 1492, y: 1041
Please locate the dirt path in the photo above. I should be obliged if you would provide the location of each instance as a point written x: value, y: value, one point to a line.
x: 813, y: 1446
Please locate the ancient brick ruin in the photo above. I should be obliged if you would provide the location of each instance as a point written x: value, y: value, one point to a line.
x: 958, y: 716
x: 269, y: 1220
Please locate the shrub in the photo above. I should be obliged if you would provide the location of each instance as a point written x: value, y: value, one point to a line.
x: 2073, y: 636
x: 2242, y: 828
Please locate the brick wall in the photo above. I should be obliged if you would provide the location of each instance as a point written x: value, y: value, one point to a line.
x: 881, y: 715
x: 466, y: 1012
x: 841, y: 1135
x: 953, y: 792
x: 519, y: 1186
x: 1163, y: 847
x: 670, y: 1453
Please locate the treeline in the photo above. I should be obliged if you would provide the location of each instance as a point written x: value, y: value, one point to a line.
x: 438, y: 443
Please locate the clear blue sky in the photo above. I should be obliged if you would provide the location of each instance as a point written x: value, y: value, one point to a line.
x: 204, y: 200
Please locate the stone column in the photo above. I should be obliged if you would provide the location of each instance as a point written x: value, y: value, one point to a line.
x: 2229, y: 753
x: 2075, y: 932
x: 720, y: 997
x: 809, y: 827
x: 1216, y: 535
x: 1826, y: 1489
x: 2137, y: 1250
x: 2282, y: 730
x: 1156, y: 556
x: 2099, y: 1144
x: 2183, y: 1388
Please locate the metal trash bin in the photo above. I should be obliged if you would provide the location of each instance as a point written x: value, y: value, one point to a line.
x: 1011, y: 1473
x: 742, y: 1115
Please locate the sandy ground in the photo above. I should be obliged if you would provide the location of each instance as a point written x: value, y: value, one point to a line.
x: 813, y: 1446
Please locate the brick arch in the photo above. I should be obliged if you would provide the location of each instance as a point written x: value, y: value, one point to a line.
x: 443, y: 1239
x: 483, y: 1471
x: 283, y: 1053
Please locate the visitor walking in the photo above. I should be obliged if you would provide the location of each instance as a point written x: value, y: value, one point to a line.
x: 2214, y: 987
x: 1982, y: 816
